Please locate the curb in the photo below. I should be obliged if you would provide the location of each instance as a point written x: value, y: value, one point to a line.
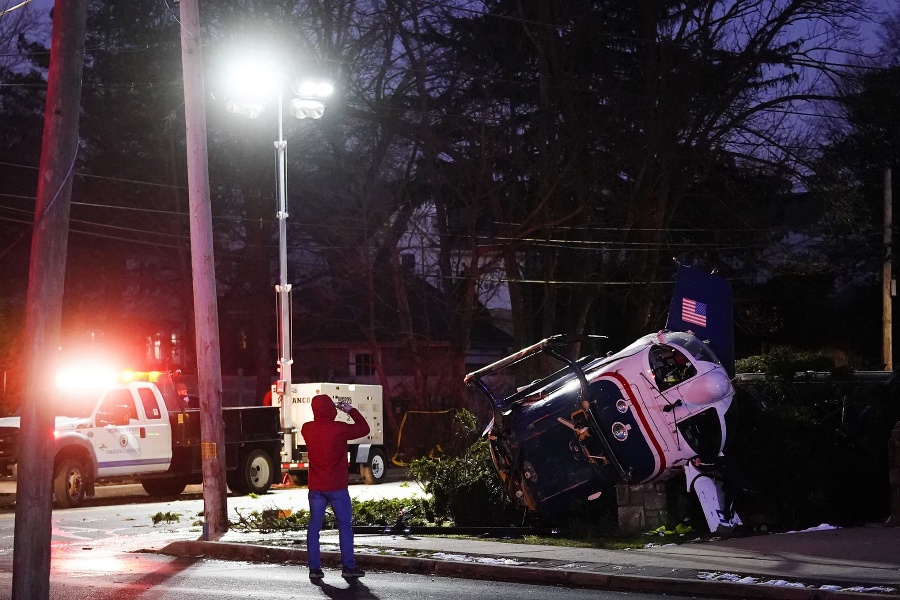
x: 516, y: 574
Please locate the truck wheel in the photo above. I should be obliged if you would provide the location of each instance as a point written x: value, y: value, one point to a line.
x: 373, y: 472
x: 68, y: 483
x: 163, y: 487
x: 254, y: 473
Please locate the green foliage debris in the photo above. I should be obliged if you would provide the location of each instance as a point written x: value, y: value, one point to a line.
x: 165, y: 517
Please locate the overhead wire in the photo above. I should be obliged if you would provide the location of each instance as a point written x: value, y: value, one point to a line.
x: 363, y: 228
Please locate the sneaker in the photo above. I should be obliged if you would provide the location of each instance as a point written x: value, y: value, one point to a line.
x: 354, y: 572
x: 316, y: 574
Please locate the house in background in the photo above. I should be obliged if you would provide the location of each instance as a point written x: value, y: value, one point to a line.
x: 343, y: 336
x: 419, y: 254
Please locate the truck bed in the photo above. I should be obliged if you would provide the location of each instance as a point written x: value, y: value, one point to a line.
x: 242, y: 424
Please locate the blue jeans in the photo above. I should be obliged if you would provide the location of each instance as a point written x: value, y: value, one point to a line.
x: 343, y: 514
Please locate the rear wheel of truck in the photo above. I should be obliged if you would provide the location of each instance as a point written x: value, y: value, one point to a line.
x: 253, y: 475
x: 69, y: 483
x: 163, y: 487
x: 373, y: 471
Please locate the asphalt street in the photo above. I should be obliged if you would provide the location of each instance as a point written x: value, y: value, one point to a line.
x: 116, y: 530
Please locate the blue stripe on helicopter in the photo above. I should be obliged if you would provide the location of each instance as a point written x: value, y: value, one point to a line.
x: 643, y: 456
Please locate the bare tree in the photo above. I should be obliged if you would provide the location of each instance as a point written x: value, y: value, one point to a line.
x: 890, y: 39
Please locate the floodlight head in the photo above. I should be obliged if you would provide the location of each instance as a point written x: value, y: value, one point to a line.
x: 311, y: 88
x: 306, y: 108
x: 246, y: 108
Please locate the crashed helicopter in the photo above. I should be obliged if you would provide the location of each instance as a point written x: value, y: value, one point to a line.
x: 644, y: 414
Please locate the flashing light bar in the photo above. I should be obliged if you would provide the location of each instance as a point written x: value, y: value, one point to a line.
x: 86, y: 377
x: 149, y: 376
x: 98, y: 376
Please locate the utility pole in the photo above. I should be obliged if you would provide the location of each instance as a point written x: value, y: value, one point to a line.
x: 894, y: 443
x: 209, y: 363
x: 43, y: 310
x: 887, y: 283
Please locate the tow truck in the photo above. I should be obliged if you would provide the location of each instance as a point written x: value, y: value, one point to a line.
x: 143, y: 426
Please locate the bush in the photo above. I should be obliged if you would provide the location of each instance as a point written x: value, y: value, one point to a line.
x: 808, y: 449
x: 782, y: 363
x: 465, y: 489
x: 802, y: 471
x: 412, y: 511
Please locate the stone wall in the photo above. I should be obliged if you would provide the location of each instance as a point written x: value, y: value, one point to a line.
x: 642, y: 506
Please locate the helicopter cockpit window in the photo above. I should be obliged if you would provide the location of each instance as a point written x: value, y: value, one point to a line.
x: 670, y: 366
x: 697, y: 348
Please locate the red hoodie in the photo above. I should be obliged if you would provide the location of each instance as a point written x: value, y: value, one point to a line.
x: 326, y: 442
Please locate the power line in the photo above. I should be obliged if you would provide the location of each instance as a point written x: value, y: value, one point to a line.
x: 585, y: 245
x: 556, y: 229
x: 102, y: 177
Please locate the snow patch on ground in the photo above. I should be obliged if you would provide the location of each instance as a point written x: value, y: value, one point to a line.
x: 733, y: 578
x: 476, y: 559
x: 425, y: 554
x: 783, y: 583
x: 822, y: 527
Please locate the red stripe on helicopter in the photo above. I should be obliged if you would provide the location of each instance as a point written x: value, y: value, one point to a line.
x: 623, y: 384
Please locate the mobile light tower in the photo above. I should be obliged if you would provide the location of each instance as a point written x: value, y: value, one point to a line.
x: 250, y: 86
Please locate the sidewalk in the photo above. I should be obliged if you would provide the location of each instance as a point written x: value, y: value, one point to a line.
x: 831, y: 564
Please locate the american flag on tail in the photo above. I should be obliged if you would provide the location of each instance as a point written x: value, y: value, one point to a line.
x: 693, y: 312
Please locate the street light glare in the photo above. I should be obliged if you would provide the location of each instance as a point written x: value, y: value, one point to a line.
x: 313, y: 89
x: 254, y: 79
x: 325, y: 89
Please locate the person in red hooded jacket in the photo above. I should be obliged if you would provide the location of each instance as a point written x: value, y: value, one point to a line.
x: 326, y: 442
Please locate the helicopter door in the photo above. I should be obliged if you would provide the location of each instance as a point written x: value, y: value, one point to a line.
x: 670, y: 367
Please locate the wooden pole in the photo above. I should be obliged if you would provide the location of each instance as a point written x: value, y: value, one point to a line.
x: 894, y: 443
x: 209, y: 363
x: 887, y: 322
x: 43, y: 309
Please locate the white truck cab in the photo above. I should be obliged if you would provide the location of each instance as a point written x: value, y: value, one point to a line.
x: 121, y: 428
x: 131, y: 437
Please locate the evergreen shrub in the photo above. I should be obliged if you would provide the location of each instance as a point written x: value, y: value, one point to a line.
x: 810, y: 452
x: 465, y: 489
